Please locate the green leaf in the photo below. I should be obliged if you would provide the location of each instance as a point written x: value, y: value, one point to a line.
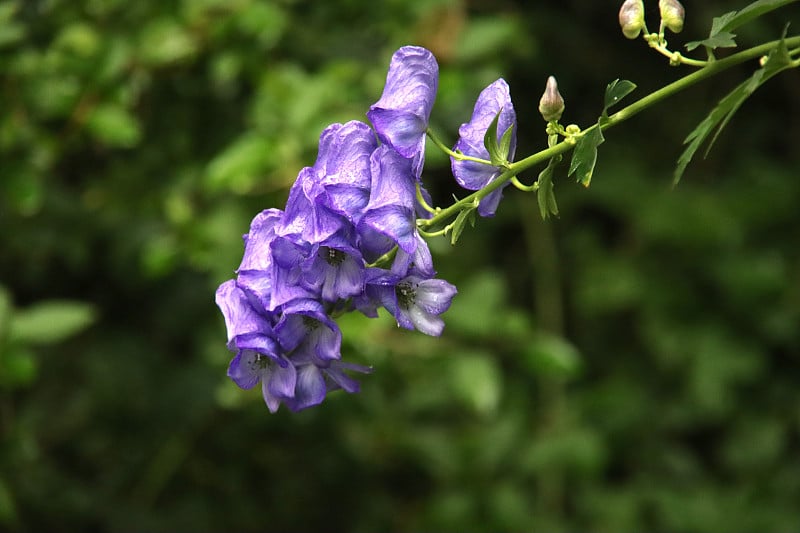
x: 616, y: 91
x: 584, y: 157
x: 718, y: 118
x: 553, y: 357
x: 18, y: 367
x: 721, y: 40
x: 5, y: 314
x: 490, y: 142
x: 477, y: 381
x: 464, y: 216
x: 51, y: 321
x: 505, y: 142
x: 734, y: 19
x: 722, y: 26
x: 545, y: 194
x: 113, y: 125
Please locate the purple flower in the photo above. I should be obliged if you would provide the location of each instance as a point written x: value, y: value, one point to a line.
x: 303, y: 218
x: 343, y: 168
x: 401, y: 115
x: 277, y: 382
x: 305, y: 330
x: 336, y: 267
x: 315, y: 381
x: 493, y: 99
x: 415, y: 302
x: 389, y: 217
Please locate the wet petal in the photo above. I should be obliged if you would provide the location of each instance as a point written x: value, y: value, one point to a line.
x: 310, y: 389
x: 401, y: 115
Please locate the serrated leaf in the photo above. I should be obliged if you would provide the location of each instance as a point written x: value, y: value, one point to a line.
x: 616, y: 91
x: 718, y: 118
x: 584, y: 157
x: 464, y: 216
x: 734, y: 19
x: 545, y: 194
x: 720, y: 40
x: 721, y: 35
x: 51, y: 321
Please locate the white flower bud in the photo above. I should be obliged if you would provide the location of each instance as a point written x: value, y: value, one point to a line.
x: 631, y: 18
x: 671, y: 14
x: 551, y: 104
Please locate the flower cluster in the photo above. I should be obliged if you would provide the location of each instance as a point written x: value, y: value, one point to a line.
x: 348, y: 240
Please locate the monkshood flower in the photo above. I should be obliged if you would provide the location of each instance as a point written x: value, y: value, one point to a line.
x: 471, y: 175
x: 389, y: 218
x: 259, y: 356
x: 401, y: 114
x: 347, y: 216
x: 415, y: 302
x: 342, y: 168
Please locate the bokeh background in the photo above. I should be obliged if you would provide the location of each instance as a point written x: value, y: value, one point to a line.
x: 632, y: 365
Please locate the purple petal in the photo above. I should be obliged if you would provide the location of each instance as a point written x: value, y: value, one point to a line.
x: 401, y: 115
x: 257, y: 286
x: 304, y: 219
x: 425, y: 322
x: 282, y: 381
x: 310, y: 389
x: 391, y: 221
x: 262, y: 344
x: 470, y: 175
x: 336, y: 373
x: 240, y: 316
x: 272, y: 401
x: 246, y: 369
x: 435, y: 295
x: 262, y: 231
x: 343, y: 165
x: 390, y: 211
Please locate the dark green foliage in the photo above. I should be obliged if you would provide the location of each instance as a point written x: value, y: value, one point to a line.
x: 632, y: 365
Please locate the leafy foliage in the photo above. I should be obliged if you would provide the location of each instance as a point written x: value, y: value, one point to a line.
x: 777, y: 60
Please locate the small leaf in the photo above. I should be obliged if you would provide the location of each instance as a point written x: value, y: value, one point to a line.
x: 721, y: 40
x: 584, y: 157
x: 545, y: 194
x: 114, y: 125
x: 616, y: 91
x: 51, y: 321
x: 464, y: 216
x: 721, y: 35
x: 490, y: 142
x: 777, y: 60
x: 734, y: 19
x: 505, y: 143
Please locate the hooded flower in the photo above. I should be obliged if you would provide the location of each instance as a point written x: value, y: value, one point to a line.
x: 415, y: 302
x: 343, y: 168
x: 389, y: 217
x: 493, y: 99
x: 401, y: 115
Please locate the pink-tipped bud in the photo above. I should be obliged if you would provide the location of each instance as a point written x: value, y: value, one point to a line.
x: 631, y: 18
x: 671, y: 14
x: 551, y: 104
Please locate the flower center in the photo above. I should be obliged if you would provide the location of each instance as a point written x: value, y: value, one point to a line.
x: 406, y: 294
x: 310, y: 323
x: 333, y: 256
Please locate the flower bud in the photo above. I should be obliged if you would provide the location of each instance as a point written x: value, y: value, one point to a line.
x: 631, y: 18
x: 671, y: 14
x: 552, y: 103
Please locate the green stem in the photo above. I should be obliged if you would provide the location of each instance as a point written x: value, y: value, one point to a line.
x: 711, y: 69
x: 455, y: 155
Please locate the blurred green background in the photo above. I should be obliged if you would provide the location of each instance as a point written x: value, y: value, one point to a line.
x: 631, y: 365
